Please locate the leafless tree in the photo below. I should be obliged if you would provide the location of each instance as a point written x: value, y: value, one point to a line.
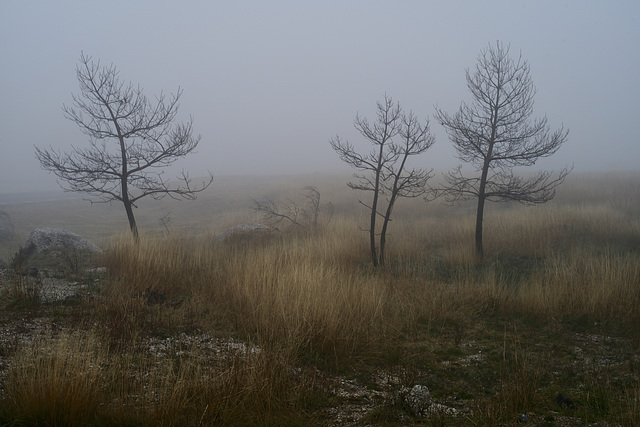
x: 495, y: 135
x: 304, y: 215
x: 131, y: 140
x: 395, y: 137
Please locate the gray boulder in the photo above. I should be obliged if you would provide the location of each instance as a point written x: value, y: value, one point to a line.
x: 42, y: 239
x: 54, y: 249
x: 244, y: 231
x: 7, y: 230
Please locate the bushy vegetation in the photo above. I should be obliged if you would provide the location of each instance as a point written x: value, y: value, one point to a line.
x: 183, y: 331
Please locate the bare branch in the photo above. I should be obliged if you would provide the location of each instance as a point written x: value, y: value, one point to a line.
x: 305, y: 216
x: 495, y: 134
x: 131, y: 141
x: 395, y: 137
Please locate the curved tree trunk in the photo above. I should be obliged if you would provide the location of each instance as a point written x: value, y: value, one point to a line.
x: 372, y: 229
x: 124, y: 187
x: 383, y: 232
x: 132, y: 220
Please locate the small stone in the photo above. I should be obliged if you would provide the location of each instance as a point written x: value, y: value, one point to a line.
x: 153, y: 296
x: 563, y: 400
x: 417, y: 400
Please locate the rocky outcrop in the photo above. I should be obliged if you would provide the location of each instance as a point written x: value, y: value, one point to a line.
x: 54, y: 249
x: 244, y: 231
x: 7, y: 230
x: 42, y: 239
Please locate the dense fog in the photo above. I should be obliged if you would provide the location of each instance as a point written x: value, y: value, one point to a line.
x: 269, y: 83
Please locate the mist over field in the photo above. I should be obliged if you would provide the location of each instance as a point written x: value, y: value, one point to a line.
x: 291, y: 291
x: 268, y: 85
x: 173, y: 328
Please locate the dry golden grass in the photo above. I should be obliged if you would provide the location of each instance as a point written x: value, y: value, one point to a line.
x: 311, y: 299
x: 312, y: 292
x: 74, y: 379
x: 57, y: 382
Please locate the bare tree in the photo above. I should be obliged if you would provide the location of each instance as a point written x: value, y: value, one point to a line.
x: 384, y: 171
x: 306, y: 215
x: 131, y: 140
x: 495, y: 134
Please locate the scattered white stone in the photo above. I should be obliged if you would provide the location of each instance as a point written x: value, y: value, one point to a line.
x: 417, y: 400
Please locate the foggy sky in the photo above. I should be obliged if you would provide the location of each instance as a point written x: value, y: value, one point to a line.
x: 268, y: 83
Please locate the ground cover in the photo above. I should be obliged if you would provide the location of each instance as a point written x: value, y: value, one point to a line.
x: 298, y: 329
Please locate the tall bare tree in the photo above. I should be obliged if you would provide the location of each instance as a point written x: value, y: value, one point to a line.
x: 131, y: 140
x: 495, y: 135
x: 395, y: 137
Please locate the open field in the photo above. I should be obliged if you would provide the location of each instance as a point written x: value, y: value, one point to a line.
x: 297, y: 328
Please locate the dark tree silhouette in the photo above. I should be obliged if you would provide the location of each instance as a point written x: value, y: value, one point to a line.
x: 495, y: 135
x: 131, y: 140
x: 395, y: 137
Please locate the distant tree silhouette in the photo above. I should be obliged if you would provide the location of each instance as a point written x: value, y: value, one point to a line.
x: 130, y: 141
x: 302, y: 215
x: 494, y: 134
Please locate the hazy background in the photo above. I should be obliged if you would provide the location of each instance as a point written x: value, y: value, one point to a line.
x: 269, y: 83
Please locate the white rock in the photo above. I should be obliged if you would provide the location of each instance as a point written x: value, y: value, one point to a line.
x: 42, y: 239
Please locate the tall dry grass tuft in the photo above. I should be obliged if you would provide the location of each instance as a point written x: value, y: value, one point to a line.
x: 518, y: 391
x: 310, y: 291
x: 57, y: 381
x: 603, y: 284
x: 285, y: 294
x: 550, y: 262
x: 74, y: 379
x: 235, y: 388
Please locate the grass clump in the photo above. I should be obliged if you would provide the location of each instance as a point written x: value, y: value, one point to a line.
x: 56, y: 382
x: 22, y: 293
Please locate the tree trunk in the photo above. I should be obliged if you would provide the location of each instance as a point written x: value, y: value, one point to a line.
x: 374, y: 207
x: 480, y: 211
x: 372, y: 229
x: 483, y: 180
x: 132, y: 219
x: 479, y: 219
x: 124, y: 188
x: 385, y: 224
x: 383, y: 240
